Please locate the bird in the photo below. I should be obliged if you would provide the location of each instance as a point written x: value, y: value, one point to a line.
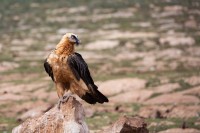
x: 70, y: 73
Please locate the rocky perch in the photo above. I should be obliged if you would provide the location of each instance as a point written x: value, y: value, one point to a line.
x: 70, y: 119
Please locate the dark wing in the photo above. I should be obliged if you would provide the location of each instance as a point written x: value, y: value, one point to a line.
x: 81, y: 71
x: 80, y: 68
x: 48, y: 69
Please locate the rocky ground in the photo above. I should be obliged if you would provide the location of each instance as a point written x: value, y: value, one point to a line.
x: 144, y: 55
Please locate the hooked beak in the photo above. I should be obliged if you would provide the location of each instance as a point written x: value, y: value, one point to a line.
x: 77, y: 41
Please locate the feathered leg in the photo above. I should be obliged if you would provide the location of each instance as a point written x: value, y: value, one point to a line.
x: 61, y: 90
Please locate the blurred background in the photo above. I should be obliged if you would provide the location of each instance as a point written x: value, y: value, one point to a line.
x: 143, y: 54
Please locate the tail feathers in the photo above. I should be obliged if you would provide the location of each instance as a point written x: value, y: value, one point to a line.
x: 89, y: 98
x: 100, y: 98
x: 94, y: 96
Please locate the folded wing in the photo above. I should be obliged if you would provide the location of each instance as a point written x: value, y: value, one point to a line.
x: 48, y: 69
x: 81, y: 71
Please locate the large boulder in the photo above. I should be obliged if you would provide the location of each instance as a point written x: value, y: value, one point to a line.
x: 127, y: 125
x: 68, y: 119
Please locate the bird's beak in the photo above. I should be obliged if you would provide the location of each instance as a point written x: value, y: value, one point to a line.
x: 77, y: 41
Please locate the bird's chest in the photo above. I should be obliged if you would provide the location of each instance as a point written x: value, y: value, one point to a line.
x: 60, y: 68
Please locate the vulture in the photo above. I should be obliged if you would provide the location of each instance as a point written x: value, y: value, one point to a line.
x: 70, y: 72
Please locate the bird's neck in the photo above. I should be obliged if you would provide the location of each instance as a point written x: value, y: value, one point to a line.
x: 64, y: 47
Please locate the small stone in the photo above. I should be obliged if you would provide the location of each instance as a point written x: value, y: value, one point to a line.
x: 127, y: 125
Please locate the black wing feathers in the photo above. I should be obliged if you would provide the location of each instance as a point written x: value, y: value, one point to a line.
x: 48, y: 69
x: 80, y: 70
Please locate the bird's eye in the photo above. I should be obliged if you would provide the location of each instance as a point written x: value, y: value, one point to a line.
x: 73, y: 36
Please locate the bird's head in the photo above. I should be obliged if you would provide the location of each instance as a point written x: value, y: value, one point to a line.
x: 71, y: 38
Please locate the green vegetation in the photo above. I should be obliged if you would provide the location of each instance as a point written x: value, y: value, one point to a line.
x: 10, y: 122
x: 101, y: 119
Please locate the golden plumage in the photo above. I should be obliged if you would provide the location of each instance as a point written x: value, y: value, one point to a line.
x: 69, y: 71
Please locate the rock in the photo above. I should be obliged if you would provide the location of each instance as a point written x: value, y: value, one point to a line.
x: 168, y: 26
x: 183, y: 111
x: 190, y: 62
x: 167, y: 13
x: 113, y: 87
x: 180, y: 130
x: 162, y: 21
x: 63, y: 31
x: 16, y: 48
x: 128, y: 56
x: 176, y: 41
x: 22, y: 107
x: 3, y: 126
x: 148, y: 61
x: 174, y: 8
x: 90, y: 56
x: 153, y: 111
x: 18, y: 89
x: 30, y: 105
x: 1, y: 47
x: 127, y: 125
x: 131, y: 96
x: 127, y: 35
x: 169, y: 111
x: 12, y: 97
x: 30, y: 55
x: 100, y: 45
x: 175, y: 98
x: 129, y: 45
x: 170, y: 53
x: 194, y: 80
x: 150, y: 44
x: 69, y: 119
x: 165, y: 88
x: 4, y: 66
x: 191, y: 23
x: 119, y: 14
x: 78, y: 9
x: 161, y: 123
x: 142, y: 24
x: 193, y: 51
x: 110, y: 26
x: 193, y: 91
x: 197, y: 122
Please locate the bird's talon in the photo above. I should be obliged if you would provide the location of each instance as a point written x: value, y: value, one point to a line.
x: 63, y: 100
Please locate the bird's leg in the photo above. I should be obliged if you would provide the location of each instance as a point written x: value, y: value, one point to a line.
x: 60, y: 91
x: 63, y: 99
